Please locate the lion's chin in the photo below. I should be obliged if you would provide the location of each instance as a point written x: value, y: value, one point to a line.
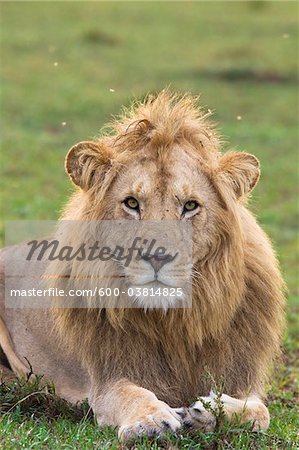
x: 157, y: 295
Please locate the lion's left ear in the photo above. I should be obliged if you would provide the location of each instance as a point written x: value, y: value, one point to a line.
x: 87, y: 162
x: 241, y: 170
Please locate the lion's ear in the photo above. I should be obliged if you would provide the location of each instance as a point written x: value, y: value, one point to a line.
x: 241, y: 170
x: 87, y: 162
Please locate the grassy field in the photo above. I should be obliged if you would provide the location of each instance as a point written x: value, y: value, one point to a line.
x: 67, y: 66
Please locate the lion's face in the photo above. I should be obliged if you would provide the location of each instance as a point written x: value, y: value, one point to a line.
x: 171, y: 182
x: 173, y: 192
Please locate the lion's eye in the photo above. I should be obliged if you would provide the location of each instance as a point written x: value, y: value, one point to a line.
x: 131, y: 203
x: 190, y: 206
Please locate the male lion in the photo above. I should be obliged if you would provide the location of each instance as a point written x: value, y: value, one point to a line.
x: 141, y: 367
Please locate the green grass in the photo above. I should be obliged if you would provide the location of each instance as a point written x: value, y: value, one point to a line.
x: 242, y: 57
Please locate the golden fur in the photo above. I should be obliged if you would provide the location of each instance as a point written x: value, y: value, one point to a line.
x: 137, y: 364
x: 235, y: 325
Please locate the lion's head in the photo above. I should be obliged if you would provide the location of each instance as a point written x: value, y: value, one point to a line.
x: 164, y: 164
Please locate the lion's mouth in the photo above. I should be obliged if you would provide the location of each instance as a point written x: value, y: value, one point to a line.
x: 146, y: 278
x: 156, y: 283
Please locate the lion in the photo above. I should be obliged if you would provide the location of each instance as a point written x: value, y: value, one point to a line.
x: 141, y: 367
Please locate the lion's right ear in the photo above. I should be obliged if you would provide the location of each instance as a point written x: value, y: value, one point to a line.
x: 87, y: 162
x: 240, y: 171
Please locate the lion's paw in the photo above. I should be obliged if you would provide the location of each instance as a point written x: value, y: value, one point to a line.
x: 251, y: 410
x: 196, y: 417
x: 153, y: 420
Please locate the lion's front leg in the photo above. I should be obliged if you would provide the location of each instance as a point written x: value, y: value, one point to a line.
x: 135, y: 410
x: 251, y: 409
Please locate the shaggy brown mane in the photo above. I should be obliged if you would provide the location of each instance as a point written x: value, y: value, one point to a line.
x: 228, y: 311
x: 164, y: 120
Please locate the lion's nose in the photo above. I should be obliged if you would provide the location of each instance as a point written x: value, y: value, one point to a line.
x: 158, y: 261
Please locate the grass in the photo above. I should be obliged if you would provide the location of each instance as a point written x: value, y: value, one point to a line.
x: 34, y: 417
x: 66, y: 67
